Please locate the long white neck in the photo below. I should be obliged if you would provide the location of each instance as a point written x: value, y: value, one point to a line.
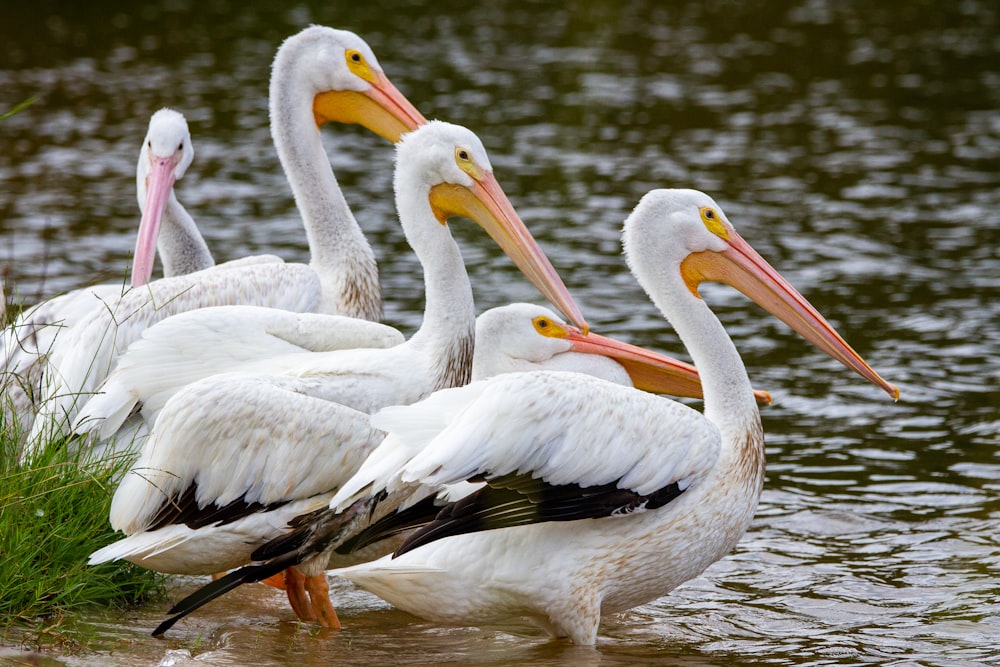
x: 340, y: 254
x: 447, y: 334
x: 180, y: 244
x: 729, y: 399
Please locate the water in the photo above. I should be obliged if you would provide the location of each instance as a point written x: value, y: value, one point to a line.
x: 856, y: 145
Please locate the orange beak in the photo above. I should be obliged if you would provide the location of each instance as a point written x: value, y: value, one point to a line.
x: 650, y: 371
x: 486, y: 203
x: 740, y: 266
x: 381, y: 108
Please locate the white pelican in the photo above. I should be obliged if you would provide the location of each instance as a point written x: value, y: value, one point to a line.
x: 233, y: 457
x: 319, y: 75
x: 166, y: 226
x: 597, y: 497
x: 514, y: 338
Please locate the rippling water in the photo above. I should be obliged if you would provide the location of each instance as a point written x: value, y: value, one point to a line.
x: 856, y: 145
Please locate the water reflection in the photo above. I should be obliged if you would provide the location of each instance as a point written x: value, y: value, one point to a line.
x: 855, y: 144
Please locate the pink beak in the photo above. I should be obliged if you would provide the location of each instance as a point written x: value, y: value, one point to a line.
x: 159, y: 184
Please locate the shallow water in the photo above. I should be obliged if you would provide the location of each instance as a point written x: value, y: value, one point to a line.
x: 856, y: 145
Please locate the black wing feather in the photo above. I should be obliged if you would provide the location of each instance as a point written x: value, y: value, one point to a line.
x: 419, y: 514
x: 210, y: 591
x: 184, y: 509
x: 509, y: 500
x: 311, y: 534
x: 520, y: 500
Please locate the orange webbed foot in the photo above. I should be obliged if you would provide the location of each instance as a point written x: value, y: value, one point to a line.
x: 295, y: 588
x: 319, y: 594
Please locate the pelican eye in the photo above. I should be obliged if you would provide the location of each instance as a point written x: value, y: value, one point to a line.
x: 357, y: 64
x: 180, y: 146
x: 713, y: 221
x: 546, y: 327
x: 463, y: 157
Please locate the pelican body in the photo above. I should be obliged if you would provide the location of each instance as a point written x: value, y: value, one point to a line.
x: 598, y: 498
x: 592, y: 498
x: 509, y: 339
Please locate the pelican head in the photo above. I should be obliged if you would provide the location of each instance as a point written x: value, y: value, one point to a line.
x: 166, y: 154
x: 524, y: 336
x: 687, y: 237
x: 458, y: 177
x: 346, y: 83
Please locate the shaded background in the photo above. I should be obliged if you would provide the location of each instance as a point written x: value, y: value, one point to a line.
x: 855, y: 144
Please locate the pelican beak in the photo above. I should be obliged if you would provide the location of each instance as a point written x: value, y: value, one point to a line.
x: 485, y: 202
x: 380, y: 108
x: 650, y: 371
x: 742, y: 267
x: 159, y: 184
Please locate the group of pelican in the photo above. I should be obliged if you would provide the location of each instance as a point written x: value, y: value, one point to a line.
x: 511, y: 465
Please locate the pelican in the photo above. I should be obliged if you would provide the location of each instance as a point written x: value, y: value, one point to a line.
x: 166, y: 227
x: 319, y: 75
x: 596, y: 498
x: 515, y: 338
x: 233, y: 457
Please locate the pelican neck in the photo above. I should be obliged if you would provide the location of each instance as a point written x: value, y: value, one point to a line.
x: 447, y: 332
x: 181, y: 246
x: 339, y: 252
x: 729, y: 398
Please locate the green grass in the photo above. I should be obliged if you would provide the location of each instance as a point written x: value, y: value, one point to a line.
x: 20, y: 106
x: 53, y: 514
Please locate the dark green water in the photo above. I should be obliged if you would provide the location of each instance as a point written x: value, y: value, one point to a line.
x: 855, y: 144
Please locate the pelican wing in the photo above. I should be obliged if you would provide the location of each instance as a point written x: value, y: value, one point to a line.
x: 541, y: 430
x: 214, y: 457
x: 520, y: 500
x: 196, y: 344
x: 82, y: 359
x: 28, y: 342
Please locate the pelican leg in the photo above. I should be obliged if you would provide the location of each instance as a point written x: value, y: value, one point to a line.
x: 295, y: 587
x: 275, y: 581
x: 319, y: 594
